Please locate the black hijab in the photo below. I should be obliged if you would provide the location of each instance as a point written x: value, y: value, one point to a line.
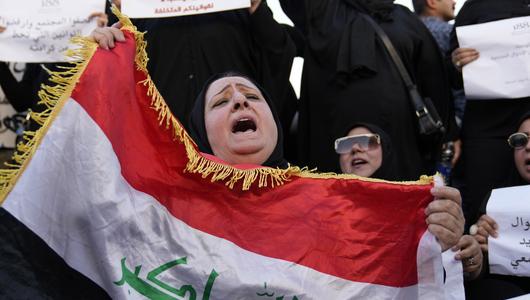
x: 387, y: 171
x: 518, y: 180
x: 198, y: 127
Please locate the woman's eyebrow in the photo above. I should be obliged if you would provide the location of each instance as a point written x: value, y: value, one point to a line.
x: 223, y: 90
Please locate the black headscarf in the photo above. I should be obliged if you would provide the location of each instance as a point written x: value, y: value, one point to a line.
x: 379, y: 9
x: 515, y: 178
x: 198, y: 127
x: 387, y: 171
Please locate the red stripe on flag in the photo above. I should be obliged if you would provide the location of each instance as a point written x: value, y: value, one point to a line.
x: 359, y: 231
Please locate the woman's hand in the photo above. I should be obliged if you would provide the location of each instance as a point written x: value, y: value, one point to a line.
x: 484, y: 228
x: 2, y: 29
x: 470, y: 254
x: 444, y: 216
x: 463, y: 56
x: 254, y: 4
x: 106, y: 36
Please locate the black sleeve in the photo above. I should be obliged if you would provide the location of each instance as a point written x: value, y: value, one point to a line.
x: 268, y: 33
x: 464, y: 17
x: 21, y: 95
x: 433, y: 82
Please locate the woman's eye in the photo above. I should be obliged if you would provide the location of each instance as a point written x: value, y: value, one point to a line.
x: 252, y: 97
x: 220, y: 102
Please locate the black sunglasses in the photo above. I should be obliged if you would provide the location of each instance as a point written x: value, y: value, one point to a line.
x: 518, y: 140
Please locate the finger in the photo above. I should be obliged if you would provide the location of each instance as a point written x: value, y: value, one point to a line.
x: 117, y: 34
x: 95, y: 14
x: 484, y: 248
x: 487, y: 225
x: 450, y: 224
x: 468, y: 59
x: 490, y: 221
x: 446, y: 192
x: 445, y: 237
x: 101, y: 39
x: 465, y: 241
x: 481, y: 239
x: 107, y: 37
x: 472, y: 251
x: 117, y: 25
x: 445, y: 206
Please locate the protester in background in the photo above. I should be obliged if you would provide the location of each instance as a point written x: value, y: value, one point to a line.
x: 367, y: 151
x: 436, y: 15
x: 486, y: 161
x: 349, y: 76
x: 185, y: 51
x: 493, y: 286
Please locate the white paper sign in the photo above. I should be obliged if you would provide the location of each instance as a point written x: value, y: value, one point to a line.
x: 171, y: 8
x: 40, y: 30
x: 503, y: 69
x: 509, y: 254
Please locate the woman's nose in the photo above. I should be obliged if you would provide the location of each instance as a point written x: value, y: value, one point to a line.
x: 357, y: 148
x: 240, y: 101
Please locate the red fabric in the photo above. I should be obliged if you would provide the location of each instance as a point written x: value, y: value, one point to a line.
x: 357, y: 230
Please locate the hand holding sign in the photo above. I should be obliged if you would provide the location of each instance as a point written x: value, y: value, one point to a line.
x: 463, y: 56
x: 485, y: 228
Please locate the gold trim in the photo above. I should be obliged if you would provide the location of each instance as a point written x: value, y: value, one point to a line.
x: 54, y: 98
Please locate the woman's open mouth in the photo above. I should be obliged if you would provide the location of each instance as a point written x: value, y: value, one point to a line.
x: 244, y: 125
x: 356, y: 162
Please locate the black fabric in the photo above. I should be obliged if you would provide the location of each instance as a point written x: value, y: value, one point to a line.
x: 487, y: 160
x: 387, y: 171
x: 185, y: 51
x: 349, y: 77
x: 198, y: 128
x: 379, y: 9
x: 22, y: 95
x: 29, y: 269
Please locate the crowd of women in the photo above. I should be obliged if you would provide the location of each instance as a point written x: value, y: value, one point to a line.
x: 225, y: 75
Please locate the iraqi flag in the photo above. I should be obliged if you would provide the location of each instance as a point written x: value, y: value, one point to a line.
x: 116, y: 191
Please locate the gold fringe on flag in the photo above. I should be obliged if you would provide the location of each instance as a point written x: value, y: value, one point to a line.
x: 64, y: 80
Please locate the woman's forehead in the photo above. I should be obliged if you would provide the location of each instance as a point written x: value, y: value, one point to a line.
x: 219, y: 85
x: 359, y: 130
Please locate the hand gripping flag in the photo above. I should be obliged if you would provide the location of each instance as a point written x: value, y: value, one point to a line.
x: 114, y: 185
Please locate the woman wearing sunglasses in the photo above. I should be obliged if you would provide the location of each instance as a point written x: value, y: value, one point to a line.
x: 502, y: 286
x: 367, y: 151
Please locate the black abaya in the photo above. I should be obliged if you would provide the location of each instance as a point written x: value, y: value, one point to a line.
x: 185, y: 51
x: 487, y: 160
x: 349, y: 77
